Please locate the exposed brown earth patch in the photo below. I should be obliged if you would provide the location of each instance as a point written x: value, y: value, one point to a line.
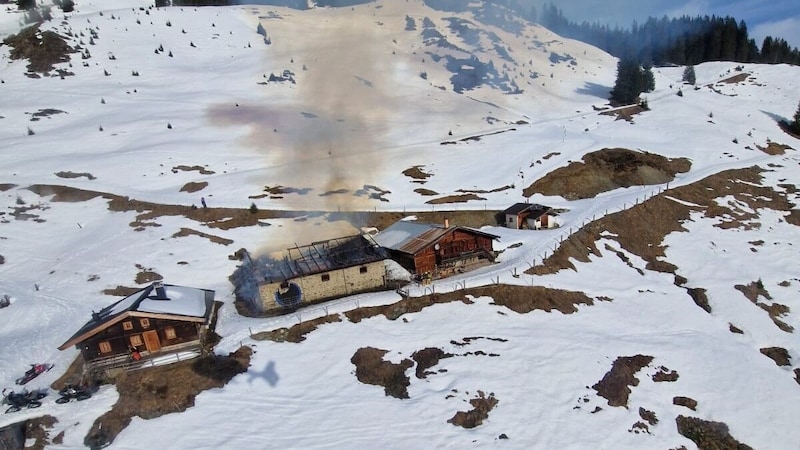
x: 665, y: 214
x: 734, y: 329
x: 626, y: 113
x: 461, y: 198
x: 797, y: 375
x: 648, y: 416
x: 481, y: 406
x: 738, y: 78
x: 606, y: 170
x: 215, y: 239
x: 201, y: 169
x: 42, y: 49
x: 483, y: 191
x: 708, y: 435
x: 427, y: 358
x: 417, y: 173
x: 521, y: 299
x: 665, y: 374
x: 296, y: 333
x: 756, y: 289
x: 425, y: 192
x: 194, y: 186
x: 229, y: 218
x: 86, y: 175
x: 699, y: 298
x: 162, y: 390
x: 120, y: 291
x: 35, y: 433
x: 615, y: 385
x: 372, y: 369
x: 146, y: 275
x: 773, y: 148
x: 686, y: 402
x: 778, y: 354
x: 6, y: 186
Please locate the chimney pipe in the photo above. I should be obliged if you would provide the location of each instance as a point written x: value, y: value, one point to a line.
x: 161, y: 293
x: 446, y: 222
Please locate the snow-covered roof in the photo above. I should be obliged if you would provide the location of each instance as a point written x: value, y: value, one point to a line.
x: 411, y: 237
x: 178, y: 302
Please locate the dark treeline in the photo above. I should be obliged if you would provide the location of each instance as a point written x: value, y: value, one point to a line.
x: 684, y: 40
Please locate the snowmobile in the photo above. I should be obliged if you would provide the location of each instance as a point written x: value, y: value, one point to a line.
x: 19, y: 400
x: 71, y: 392
x: 33, y: 372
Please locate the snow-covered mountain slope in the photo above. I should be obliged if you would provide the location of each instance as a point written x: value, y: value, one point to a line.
x: 359, y: 95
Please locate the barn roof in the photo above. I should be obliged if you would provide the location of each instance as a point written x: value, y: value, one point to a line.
x: 321, y: 256
x: 532, y: 210
x: 413, y: 237
x: 155, y: 301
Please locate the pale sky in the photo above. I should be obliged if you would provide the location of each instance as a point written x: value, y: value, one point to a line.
x: 776, y: 18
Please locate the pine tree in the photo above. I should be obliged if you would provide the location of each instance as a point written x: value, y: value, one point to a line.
x: 24, y: 5
x: 648, y: 79
x: 630, y: 82
x: 795, y: 126
x: 689, y: 76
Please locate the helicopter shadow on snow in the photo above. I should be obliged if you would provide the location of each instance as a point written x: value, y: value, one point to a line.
x: 268, y: 374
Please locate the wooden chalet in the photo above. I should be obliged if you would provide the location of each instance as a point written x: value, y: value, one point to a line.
x: 435, y: 251
x: 161, y: 320
x: 530, y: 216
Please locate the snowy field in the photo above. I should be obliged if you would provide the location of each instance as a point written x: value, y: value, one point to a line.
x: 357, y: 115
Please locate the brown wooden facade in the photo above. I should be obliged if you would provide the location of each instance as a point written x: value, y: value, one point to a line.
x: 149, y: 335
x: 442, y: 252
x: 157, y: 320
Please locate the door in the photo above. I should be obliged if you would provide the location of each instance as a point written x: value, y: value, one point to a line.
x: 151, y: 341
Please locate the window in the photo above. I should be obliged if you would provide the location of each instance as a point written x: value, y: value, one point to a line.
x: 362, y: 269
x: 105, y: 347
x: 127, y: 325
x: 136, y: 340
x: 326, y: 277
x: 145, y: 323
x: 169, y: 333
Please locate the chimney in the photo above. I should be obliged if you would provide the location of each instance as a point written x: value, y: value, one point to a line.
x: 161, y: 293
x: 446, y: 222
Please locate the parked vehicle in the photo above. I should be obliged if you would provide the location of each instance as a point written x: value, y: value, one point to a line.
x: 26, y: 398
x: 71, y: 392
x: 33, y: 372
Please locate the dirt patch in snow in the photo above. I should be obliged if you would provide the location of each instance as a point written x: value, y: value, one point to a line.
x: 459, y: 198
x: 42, y: 49
x: 664, y: 214
x: 215, y: 239
x: 229, y: 218
x: 686, y: 402
x: 520, y: 299
x: 707, y: 434
x: 417, y: 174
x: 194, y: 186
x: 201, y: 169
x: 147, y: 275
x: 699, y: 298
x: 86, y: 175
x: 120, y: 291
x: 372, y: 369
x: 773, y: 148
x: 481, y: 406
x: 425, y: 192
x: 6, y: 186
x: 296, y: 333
x: 665, y: 374
x: 615, y: 385
x: 756, y: 289
x: 625, y: 113
x: 161, y: 390
x: 736, y: 78
x: 36, y: 433
x: 427, y: 358
x: 606, y: 170
x: 778, y: 354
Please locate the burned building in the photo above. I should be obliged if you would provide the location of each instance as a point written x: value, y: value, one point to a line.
x: 311, y: 273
